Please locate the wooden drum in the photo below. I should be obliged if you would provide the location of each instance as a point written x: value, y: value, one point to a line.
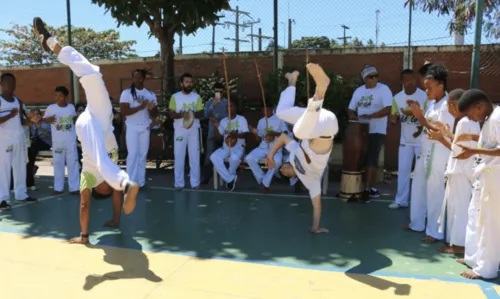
x: 354, y: 149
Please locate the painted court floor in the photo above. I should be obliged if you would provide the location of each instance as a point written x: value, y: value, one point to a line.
x: 207, y: 244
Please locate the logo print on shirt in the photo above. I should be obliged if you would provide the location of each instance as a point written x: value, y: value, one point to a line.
x: 365, y: 102
x: 298, y: 165
x: 64, y: 124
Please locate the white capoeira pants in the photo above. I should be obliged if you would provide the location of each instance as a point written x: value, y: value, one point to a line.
x: 217, y: 158
x: 137, y: 138
x: 405, y: 161
x: 487, y: 257
x: 253, y: 161
x: 418, y: 204
x: 472, y: 233
x: 12, y: 156
x: 65, y: 153
x: 94, y: 126
x: 190, y: 139
x: 456, y: 205
x: 308, y: 123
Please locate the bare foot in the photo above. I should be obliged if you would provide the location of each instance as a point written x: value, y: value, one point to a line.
x: 112, y: 223
x: 460, y: 261
x: 429, y: 239
x: 469, y: 274
x: 320, y: 230
x: 79, y: 240
x: 292, y: 78
x: 130, y: 197
x: 452, y: 249
x: 265, y: 190
x: 321, y: 79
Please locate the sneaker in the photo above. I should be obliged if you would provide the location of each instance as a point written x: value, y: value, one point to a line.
x: 395, y: 206
x: 231, y: 185
x: 30, y: 199
x: 365, y: 198
x: 373, y: 193
x: 4, y: 205
x: 42, y: 32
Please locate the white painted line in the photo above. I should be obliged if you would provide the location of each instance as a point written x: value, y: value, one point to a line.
x: 258, y: 194
x: 15, y: 206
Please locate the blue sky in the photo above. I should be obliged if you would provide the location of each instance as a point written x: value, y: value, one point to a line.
x: 312, y: 18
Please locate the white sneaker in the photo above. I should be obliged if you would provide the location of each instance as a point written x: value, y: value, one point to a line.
x: 395, y: 206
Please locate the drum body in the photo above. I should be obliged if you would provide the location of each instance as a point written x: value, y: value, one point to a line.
x: 354, y: 150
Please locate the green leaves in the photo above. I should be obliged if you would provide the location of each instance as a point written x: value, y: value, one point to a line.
x: 23, y: 47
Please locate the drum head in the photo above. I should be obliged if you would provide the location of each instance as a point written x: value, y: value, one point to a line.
x: 188, y: 122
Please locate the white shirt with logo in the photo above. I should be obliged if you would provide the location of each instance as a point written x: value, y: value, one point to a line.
x: 370, y: 100
x: 141, y: 117
x: 180, y: 102
x: 274, y: 124
x: 11, y: 130
x: 409, y: 124
x: 64, y: 128
x: 239, y: 124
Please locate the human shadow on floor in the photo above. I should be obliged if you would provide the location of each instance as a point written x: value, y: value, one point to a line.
x: 134, y: 262
x: 377, y: 261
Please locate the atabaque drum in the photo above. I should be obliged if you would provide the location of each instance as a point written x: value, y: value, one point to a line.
x: 354, y: 150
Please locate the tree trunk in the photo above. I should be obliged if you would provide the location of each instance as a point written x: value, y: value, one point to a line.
x: 168, y: 68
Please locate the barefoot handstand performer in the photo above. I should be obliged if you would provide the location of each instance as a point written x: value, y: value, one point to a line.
x: 316, y: 128
x: 100, y: 175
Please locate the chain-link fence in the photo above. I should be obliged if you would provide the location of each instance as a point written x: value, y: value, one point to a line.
x: 341, y: 36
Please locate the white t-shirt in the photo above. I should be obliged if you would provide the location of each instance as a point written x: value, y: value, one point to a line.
x: 239, y: 123
x: 464, y: 126
x: 309, y: 174
x: 11, y: 130
x: 370, y: 100
x: 180, y: 102
x: 64, y: 128
x: 439, y: 112
x: 489, y: 138
x: 408, y: 123
x: 274, y: 124
x: 141, y: 117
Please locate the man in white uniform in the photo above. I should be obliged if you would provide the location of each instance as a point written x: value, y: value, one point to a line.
x: 12, y: 146
x: 138, y: 105
x: 181, y: 104
x: 100, y: 175
x: 315, y: 127
x: 232, y: 130
x: 372, y: 102
x: 409, y: 144
x: 62, y: 117
x: 482, y: 248
x: 266, y: 136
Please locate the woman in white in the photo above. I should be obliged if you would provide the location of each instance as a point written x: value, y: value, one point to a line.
x: 428, y: 182
x: 138, y: 105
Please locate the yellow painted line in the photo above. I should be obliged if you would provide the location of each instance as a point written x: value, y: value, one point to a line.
x: 34, y: 267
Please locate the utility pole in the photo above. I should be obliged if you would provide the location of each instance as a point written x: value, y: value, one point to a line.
x: 377, y: 12
x: 275, y: 29
x: 237, y: 24
x: 290, y: 21
x: 180, y: 43
x: 260, y: 37
x: 345, y: 37
x: 251, y: 29
x: 213, y: 34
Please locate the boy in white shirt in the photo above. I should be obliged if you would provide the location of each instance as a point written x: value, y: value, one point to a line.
x: 409, y: 144
x: 267, y: 137
x: 64, y: 150
x: 138, y: 105
x: 482, y: 245
x: 180, y: 106
x: 233, y: 129
x: 315, y: 127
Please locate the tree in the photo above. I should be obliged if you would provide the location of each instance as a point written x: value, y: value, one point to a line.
x: 370, y: 44
x: 165, y: 18
x: 356, y: 43
x: 464, y: 12
x: 270, y: 46
x: 312, y: 42
x: 23, y: 48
